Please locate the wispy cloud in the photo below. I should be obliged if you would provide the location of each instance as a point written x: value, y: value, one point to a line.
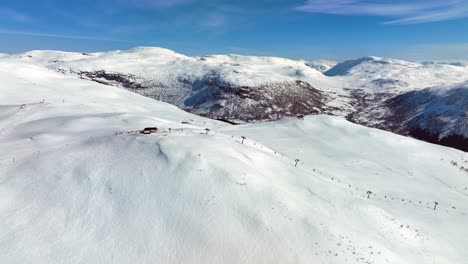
x: 214, y: 21
x: 14, y: 15
x: 155, y: 3
x: 62, y: 36
x: 398, y: 11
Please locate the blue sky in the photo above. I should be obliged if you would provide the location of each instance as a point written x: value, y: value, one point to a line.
x: 308, y: 29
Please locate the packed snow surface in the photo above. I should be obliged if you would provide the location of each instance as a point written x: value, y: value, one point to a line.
x: 79, y: 184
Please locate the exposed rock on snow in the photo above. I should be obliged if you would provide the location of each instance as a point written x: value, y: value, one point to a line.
x: 438, y: 115
x: 389, y: 83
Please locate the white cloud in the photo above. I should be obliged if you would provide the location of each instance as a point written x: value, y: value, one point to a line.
x: 401, y: 12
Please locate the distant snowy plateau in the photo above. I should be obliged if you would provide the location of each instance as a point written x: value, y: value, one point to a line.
x: 255, y: 159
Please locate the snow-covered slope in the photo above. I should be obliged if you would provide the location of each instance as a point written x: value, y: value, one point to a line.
x: 242, y: 89
x: 79, y: 184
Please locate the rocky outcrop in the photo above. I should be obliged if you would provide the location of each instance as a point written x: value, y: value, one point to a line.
x: 212, y: 97
x: 436, y: 115
x: 269, y: 101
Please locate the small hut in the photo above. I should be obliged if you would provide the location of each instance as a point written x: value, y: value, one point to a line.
x: 149, y: 130
x: 300, y: 117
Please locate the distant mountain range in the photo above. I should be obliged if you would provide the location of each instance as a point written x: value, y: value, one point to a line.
x: 427, y: 100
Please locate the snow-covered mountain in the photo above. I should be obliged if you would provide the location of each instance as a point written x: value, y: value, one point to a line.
x: 438, y: 115
x: 229, y: 87
x: 242, y: 89
x: 392, y: 75
x: 79, y: 184
x: 322, y: 65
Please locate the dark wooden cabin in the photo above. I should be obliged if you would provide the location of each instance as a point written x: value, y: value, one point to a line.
x: 149, y: 130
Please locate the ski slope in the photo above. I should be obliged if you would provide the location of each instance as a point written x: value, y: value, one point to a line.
x: 79, y: 184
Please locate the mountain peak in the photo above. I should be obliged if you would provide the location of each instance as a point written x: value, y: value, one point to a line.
x: 344, y: 67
